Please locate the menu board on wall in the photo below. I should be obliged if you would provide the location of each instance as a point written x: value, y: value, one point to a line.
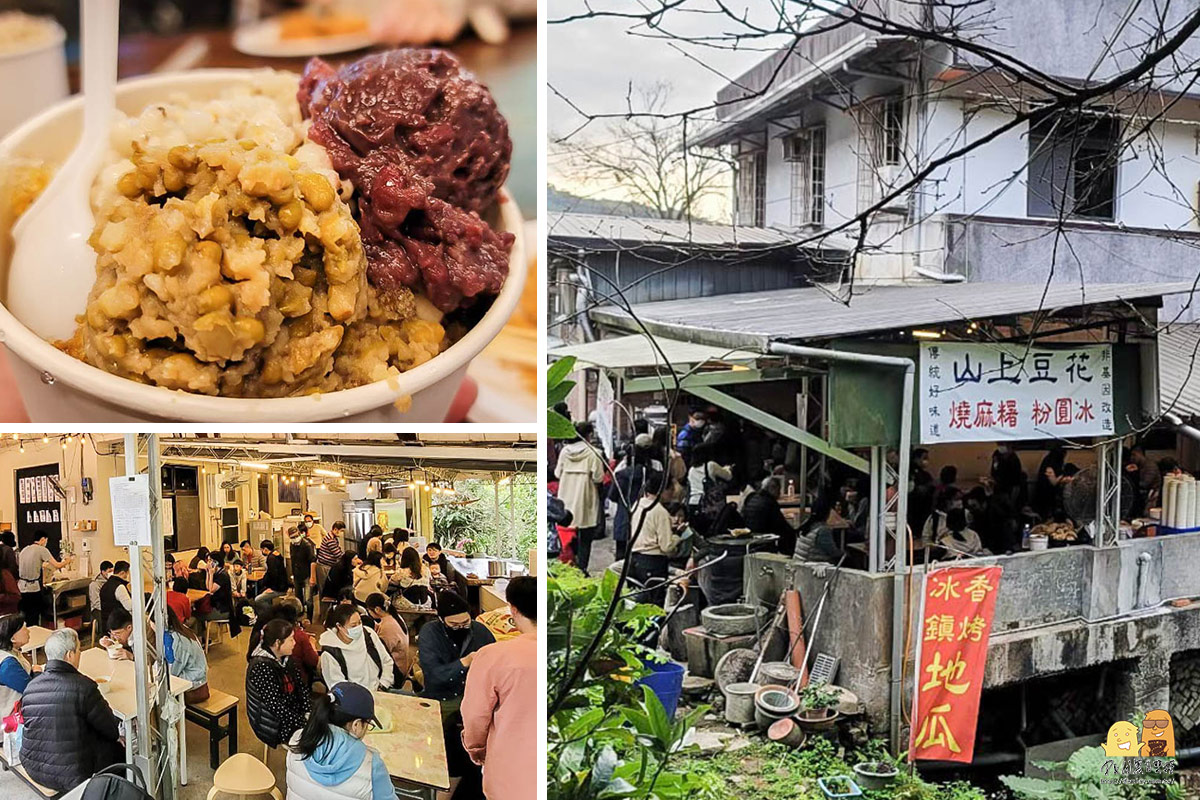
x: 38, y: 506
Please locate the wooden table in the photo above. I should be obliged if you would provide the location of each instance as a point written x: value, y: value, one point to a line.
x: 196, y: 594
x: 509, y: 70
x: 121, y: 695
x: 414, y: 751
x: 37, y: 640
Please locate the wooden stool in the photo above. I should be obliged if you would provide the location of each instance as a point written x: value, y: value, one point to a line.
x: 218, y: 623
x: 243, y: 775
x: 208, y: 713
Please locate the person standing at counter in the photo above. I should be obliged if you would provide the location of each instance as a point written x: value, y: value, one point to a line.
x: 499, y: 706
x: 115, y: 592
x: 30, y: 564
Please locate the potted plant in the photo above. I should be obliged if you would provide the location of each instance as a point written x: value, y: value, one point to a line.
x: 818, y: 707
x: 877, y: 770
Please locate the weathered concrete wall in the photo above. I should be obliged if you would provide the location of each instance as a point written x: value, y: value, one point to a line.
x: 1057, y: 611
x: 1010, y: 250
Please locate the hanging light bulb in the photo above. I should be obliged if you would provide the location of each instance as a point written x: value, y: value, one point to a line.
x: 342, y: 481
x: 411, y: 486
x: 302, y: 481
x: 45, y: 439
x: 16, y: 437
x: 22, y: 448
x: 204, y: 470
x: 68, y: 440
x: 64, y: 445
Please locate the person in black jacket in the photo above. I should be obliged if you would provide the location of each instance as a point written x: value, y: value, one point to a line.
x: 447, y: 645
x: 277, y: 700
x: 340, y: 578
x: 70, y: 730
x: 221, y: 592
x: 763, y: 515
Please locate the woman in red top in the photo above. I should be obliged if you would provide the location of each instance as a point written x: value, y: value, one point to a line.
x: 178, y: 600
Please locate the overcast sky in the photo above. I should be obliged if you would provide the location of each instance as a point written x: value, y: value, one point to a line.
x: 592, y: 61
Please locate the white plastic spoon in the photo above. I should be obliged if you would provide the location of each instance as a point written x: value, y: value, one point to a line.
x: 53, y: 268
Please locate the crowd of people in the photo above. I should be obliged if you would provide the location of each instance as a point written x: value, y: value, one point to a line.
x: 664, y: 500
x: 309, y: 693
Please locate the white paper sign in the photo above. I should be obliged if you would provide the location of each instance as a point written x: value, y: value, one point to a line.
x: 130, y: 509
x: 990, y: 392
x: 605, y: 401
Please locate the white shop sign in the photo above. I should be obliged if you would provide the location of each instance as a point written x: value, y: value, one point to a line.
x: 988, y: 392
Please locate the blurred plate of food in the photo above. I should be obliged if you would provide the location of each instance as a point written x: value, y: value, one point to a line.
x: 506, y: 370
x: 304, y: 32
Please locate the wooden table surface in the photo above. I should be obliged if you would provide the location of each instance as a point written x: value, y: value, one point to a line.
x: 37, y: 638
x: 121, y: 693
x: 509, y: 70
x: 414, y: 749
x: 196, y: 594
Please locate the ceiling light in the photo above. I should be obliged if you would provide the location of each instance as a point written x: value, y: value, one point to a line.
x: 926, y: 335
x: 302, y: 481
x: 342, y: 481
x: 255, y: 465
x: 45, y: 439
x: 411, y: 486
x: 329, y: 473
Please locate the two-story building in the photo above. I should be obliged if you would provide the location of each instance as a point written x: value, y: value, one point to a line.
x: 845, y: 118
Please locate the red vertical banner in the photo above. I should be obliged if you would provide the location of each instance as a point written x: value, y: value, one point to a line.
x: 957, y: 609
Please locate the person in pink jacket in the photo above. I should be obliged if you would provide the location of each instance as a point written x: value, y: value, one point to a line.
x: 500, y: 704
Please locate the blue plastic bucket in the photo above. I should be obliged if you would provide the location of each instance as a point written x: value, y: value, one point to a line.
x: 666, y: 681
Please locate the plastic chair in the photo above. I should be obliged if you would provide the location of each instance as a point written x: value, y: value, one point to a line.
x: 243, y: 775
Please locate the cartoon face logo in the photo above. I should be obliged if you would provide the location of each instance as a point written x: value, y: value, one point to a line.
x: 1158, y: 735
x: 1121, y: 742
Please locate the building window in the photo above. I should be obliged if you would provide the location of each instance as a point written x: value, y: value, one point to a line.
x: 880, y: 123
x: 893, y: 130
x: 1073, y: 166
x: 806, y: 152
x: 752, y: 190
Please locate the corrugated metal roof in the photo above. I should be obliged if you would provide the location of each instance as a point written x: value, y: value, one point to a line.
x: 1179, y: 369
x: 647, y: 230
x: 624, y: 352
x: 753, y: 319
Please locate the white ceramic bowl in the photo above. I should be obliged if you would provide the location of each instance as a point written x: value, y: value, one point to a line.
x: 58, y: 388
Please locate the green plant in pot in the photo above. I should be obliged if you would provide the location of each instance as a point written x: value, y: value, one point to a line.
x: 818, y: 707
x: 877, y: 770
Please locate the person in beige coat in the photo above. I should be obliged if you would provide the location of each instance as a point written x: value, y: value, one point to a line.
x: 580, y: 471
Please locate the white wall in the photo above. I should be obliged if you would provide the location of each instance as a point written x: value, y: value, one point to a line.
x: 991, y: 181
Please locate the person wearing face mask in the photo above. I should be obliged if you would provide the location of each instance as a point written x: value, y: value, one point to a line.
x: 304, y: 565
x: 277, y: 700
x: 328, y: 760
x: 391, y: 630
x: 352, y: 652
x: 447, y: 647
x: 106, y: 571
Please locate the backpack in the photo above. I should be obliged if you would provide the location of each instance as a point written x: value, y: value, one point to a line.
x: 340, y: 657
x: 109, y: 784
